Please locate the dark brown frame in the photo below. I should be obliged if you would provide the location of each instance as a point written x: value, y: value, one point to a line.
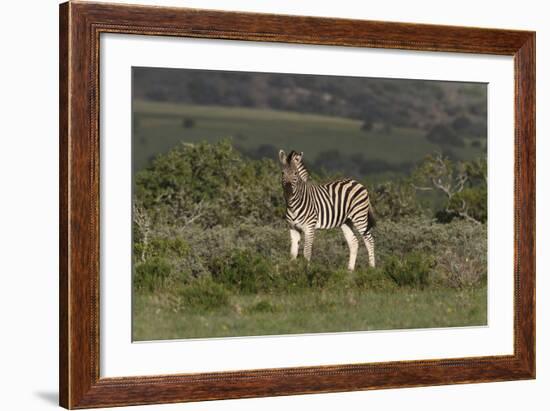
x: 80, y: 27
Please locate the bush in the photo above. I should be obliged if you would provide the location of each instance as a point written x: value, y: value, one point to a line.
x: 248, y: 272
x: 204, y: 295
x: 475, y: 199
x: 250, y: 259
x: 395, y: 200
x: 374, y: 279
x: 458, y: 269
x: 326, y: 276
x: 463, y: 264
x: 291, y: 275
x: 168, y: 247
x: 209, y: 185
x: 413, y: 270
x: 243, y: 271
x: 262, y: 307
x: 152, y: 274
x: 209, y: 220
x: 297, y: 275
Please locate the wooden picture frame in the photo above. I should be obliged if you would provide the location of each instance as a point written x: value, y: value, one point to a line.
x: 80, y: 27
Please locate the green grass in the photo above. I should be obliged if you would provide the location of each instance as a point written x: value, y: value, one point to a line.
x: 159, y: 127
x: 157, y: 316
x: 228, y: 272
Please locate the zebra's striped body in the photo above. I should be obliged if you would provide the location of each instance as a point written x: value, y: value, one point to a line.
x: 310, y: 206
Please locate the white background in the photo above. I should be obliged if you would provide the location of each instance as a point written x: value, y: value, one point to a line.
x: 29, y: 218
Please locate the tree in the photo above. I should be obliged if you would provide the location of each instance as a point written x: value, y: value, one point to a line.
x: 395, y: 200
x: 464, y: 185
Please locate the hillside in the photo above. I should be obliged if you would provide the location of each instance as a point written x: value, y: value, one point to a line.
x: 418, y: 104
x: 336, y: 144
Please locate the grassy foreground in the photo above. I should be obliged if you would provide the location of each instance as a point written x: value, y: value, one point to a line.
x: 211, y: 258
x: 311, y: 312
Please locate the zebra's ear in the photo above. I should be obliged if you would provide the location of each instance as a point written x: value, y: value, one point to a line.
x: 282, y: 157
x: 299, y: 157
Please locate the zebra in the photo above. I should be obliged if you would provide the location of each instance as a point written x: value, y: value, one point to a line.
x: 309, y: 206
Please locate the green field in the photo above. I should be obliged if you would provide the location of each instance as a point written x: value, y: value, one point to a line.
x: 211, y: 257
x: 210, y: 242
x: 239, y: 281
x: 311, y: 312
x: 160, y: 126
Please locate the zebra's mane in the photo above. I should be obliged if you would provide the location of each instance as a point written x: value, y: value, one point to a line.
x: 302, y: 170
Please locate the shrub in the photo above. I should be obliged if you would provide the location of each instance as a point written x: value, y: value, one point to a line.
x: 395, y: 200
x: 204, y: 294
x: 209, y: 185
x: 475, y: 200
x: 243, y: 271
x: 168, y: 247
x: 152, y: 274
x: 291, y: 275
x: 262, y: 307
x: 208, y: 215
x: 297, y: 275
x: 458, y: 270
x: 463, y: 264
x: 374, y: 279
x: 326, y: 276
x: 413, y: 270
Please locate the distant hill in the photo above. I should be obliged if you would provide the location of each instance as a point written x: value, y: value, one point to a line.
x: 420, y: 104
x: 333, y: 144
x: 353, y: 125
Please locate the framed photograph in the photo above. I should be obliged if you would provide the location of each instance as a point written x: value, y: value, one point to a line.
x: 259, y: 205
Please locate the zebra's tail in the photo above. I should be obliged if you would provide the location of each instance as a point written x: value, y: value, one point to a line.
x: 371, y: 221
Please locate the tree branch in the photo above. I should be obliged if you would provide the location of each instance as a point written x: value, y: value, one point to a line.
x: 446, y: 190
x: 419, y: 188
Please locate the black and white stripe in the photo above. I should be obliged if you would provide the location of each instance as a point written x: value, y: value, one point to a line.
x: 310, y: 206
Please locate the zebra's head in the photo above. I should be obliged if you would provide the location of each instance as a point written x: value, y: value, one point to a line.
x: 291, y: 166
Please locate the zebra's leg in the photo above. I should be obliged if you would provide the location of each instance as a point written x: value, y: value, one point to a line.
x: 308, y: 241
x: 353, y: 245
x: 369, y: 243
x: 294, y: 243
